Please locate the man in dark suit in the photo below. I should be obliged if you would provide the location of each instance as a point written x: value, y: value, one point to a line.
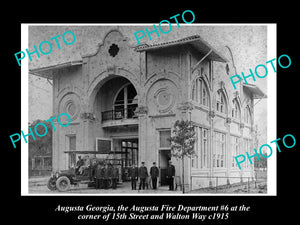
x: 107, y: 176
x: 170, y: 176
x: 143, y: 174
x: 115, y: 175
x: 154, y: 172
x: 133, y: 174
x: 98, y: 177
x: 102, y: 174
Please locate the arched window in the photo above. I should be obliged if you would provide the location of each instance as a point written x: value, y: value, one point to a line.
x: 220, y: 149
x: 200, y: 159
x: 247, y: 114
x: 235, y: 112
x: 221, y: 103
x: 200, y: 92
x: 125, y: 102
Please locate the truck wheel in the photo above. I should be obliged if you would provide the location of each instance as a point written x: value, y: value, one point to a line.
x: 63, y: 183
x: 51, y: 184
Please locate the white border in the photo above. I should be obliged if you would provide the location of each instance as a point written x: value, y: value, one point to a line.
x: 271, y: 109
x: 24, y: 112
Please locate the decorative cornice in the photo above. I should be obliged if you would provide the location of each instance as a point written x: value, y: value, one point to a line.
x: 111, y: 69
x: 184, y: 106
x: 211, y: 114
x: 140, y: 110
x: 228, y: 120
x: 162, y: 115
x: 87, y: 115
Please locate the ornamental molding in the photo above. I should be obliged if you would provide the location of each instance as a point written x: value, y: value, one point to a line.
x: 184, y: 106
x: 87, y: 116
x: 140, y: 110
x: 228, y: 120
x: 211, y: 114
x: 164, y: 99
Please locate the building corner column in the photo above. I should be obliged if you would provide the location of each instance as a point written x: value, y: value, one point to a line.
x: 211, y: 116
x: 229, y: 150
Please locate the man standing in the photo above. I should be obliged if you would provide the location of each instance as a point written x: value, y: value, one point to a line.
x: 106, y: 176
x: 133, y: 174
x: 154, y: 172
x: 170, y: 176
x: 115, y: 175
x: 98, y: 177
x: 102, y: 174
x: 92, y: 170
x: 110, y: 171
x: 143, y: 174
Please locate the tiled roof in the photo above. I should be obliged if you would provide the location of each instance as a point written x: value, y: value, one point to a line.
x: 195, y: 40
x: 145, y: 47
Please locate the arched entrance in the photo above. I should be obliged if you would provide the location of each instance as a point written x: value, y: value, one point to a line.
x: 114, y: 107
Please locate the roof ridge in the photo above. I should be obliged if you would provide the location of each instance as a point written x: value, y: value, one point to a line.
x: 166, y: 43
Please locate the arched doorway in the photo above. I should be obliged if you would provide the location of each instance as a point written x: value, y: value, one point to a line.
x: 114, y: 107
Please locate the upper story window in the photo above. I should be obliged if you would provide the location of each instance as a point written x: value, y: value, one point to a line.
x: 165, y: 139
x: 235, y: 112
x: 200, y: 92
x: 125, y: 102
x: 200, y: 159
x: 247, y: 114
x: 221, y: 103
x: 235, y: 148
x: 219, y: 151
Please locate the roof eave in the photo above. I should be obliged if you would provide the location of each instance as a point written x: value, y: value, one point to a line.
x: 256, y: 92
x: 47, y: 71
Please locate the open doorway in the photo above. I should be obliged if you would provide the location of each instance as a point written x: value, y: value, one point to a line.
x: 129, y: 156
x: 164, y: 157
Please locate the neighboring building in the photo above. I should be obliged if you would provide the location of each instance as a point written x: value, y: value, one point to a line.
x: 40, y: 150
x: 124, y: 100
x: 40, y: 165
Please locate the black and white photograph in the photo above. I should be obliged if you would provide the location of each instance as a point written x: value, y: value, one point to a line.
x: 148, y: 109
x: 169, y: 114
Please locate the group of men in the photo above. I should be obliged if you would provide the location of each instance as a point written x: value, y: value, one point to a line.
x: 104, y: 174
x: 141, y: 173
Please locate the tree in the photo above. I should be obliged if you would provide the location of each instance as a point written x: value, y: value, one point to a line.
x: 41, y: 145
x: 182, y: 143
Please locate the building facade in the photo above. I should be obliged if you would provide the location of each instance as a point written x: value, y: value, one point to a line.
x: 123, y: 101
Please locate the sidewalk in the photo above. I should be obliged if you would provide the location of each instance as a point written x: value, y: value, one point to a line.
x: 237, y: 188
